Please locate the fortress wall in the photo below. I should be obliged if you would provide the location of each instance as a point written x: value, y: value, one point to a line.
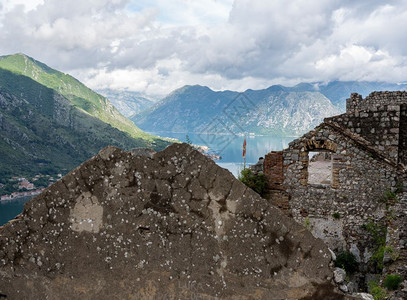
x: 380, y: 126
x: 356, y: 192
x: 357, y: 103
x: 403, y: 135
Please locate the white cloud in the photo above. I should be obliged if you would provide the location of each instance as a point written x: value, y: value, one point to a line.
x: 28, y: 5
x: 157, y: 82
x: 187, y: 12
x: 158, y: 45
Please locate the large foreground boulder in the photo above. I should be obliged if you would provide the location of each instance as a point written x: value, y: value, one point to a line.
x: 169, y: 225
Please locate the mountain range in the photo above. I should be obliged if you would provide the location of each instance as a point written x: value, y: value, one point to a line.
x: 270, y: 111
x: 50, y: 122
x: 339, y: 91
x: 127, y: 102
x: 277, y: 110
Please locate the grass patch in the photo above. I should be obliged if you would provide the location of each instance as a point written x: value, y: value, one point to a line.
x: 392, y: 282
x: 377, y: 291
x: 378, y: 233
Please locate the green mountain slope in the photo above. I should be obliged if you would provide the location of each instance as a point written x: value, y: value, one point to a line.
x: 76, y: 92
x: 42, y: 131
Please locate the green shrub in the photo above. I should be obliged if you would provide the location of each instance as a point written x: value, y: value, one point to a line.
x: 378, y: 232
x: 377, y: 291
x: 378, y: 255
x: 377, y: 258
x: 392, y: 282
x: 42, y: 181
x: 346, y: 261
x: 336, y: 215
x: 257, y: 182
x: 9, y: 188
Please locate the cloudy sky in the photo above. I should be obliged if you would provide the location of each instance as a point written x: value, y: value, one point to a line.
x: 156, y: 46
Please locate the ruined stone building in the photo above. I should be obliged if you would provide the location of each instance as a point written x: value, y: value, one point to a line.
x: 367, y: 154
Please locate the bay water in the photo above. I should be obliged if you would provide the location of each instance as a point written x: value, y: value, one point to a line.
x: 230, y: 147
x: 9, y: 209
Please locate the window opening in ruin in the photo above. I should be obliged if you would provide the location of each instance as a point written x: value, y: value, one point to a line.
x: 320, y: 168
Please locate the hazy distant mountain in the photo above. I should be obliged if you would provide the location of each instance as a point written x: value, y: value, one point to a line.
x: 127, y: 102
x: 288, y: 112
x: 50, y: 121
x: 277, y: 110
x: 339, y: 91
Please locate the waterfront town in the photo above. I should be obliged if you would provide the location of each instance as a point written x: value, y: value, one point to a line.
x: 18, y: 187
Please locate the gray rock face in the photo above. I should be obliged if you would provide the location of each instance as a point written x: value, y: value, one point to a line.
x: 172, y: 225
x: 339, y: 275
x: 365, y: 296
x: 355, y: 251
x: 143, y: 152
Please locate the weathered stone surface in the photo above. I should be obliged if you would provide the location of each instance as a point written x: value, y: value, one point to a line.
x: 355, y: 251
x: 367, y: 163
x: 273, y: 165
x: 143, y: 152
x: 333, y: 255
x: 365, y: 296
x: 339, y: 275
x: 344, y: 288
x: 171, y: 224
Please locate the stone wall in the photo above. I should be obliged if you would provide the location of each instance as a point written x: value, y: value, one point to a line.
x: 397, y: 239
x: 368, y: 152
x: 359, y: 180
x: 403, y: 135
x: 380, y: 126
x: 357, y: 103
x: 273, y: 169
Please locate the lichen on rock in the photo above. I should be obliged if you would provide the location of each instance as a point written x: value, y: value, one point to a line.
x: 171, y: 223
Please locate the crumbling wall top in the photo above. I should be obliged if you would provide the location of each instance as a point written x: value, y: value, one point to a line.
x: 357, y: 103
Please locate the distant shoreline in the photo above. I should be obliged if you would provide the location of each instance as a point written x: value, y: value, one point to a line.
x: 248, y: 134
x: 18, y: 195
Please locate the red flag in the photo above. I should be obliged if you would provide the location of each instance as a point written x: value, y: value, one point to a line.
x: 244, y: 148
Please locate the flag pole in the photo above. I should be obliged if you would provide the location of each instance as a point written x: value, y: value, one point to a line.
x: 244, y: 153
